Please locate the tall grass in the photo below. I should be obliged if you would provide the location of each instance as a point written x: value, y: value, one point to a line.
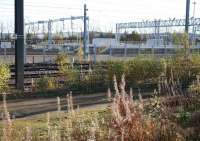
x: 129, y: 122
x: 7, y: 123
x: 125, y: 119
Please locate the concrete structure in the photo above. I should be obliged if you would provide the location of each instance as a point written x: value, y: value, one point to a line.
x: 104, y: 42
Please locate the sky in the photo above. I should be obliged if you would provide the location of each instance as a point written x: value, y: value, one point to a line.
x: 104, y: 14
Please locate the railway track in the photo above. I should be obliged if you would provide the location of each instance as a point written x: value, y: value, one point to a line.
x: 38, y: 70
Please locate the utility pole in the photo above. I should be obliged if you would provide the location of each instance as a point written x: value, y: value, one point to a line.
x: 19, y: 44
x: 194, y: 28
x: 117, y: 33
x: 72, y: 27
x: 187, y: 16
x: 1, y: 31
x: 49, y: 33
x: 25, y: 51
x: 85, y: 35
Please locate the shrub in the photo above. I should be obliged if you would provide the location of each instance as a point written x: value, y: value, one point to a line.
x: 141, y: 70
x: 4, y: 77
x: 62, y: 60
x: 71, y: 75
x: 183, y: 69
x: 116, y: 68
x: 80, y: 54
x: 45, y: 83
x: 138, y: 71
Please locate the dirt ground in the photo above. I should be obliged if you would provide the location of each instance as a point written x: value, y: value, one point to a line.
x: 25, y: 108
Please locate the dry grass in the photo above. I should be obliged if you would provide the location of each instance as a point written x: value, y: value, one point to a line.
x: 7, y: 123
x: 124, y: 120
x: 130, y: 123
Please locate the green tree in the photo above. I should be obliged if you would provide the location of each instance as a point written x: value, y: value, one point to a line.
x: 134, y: 36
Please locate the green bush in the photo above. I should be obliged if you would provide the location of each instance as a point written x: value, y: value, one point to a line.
x: 4, y: 77
x: 138, y: 70
x: 45, y: 83
x: 62, y: 60
x: 183, y: 69
x: 116, y: 68
x: 71, y: 75
x: 141, y: 70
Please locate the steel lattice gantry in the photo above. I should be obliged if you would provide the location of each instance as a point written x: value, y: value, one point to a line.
x: 156, y: 24
x: 160, y: 23
x: 51, y: 21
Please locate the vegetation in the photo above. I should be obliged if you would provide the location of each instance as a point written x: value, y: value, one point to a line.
x: 4, y: 77
x: 80, y: 54
x: 134, y: 36
x: 160, y: 118
x: 182, y: 39
x: 184, y: 69
x: 116, y: 68
x: 141, y: 72
x: 176, y: 39
x: 138, y: 71
x: 171, y: 114
x: 62, y: 60
x: 46, y: 83
x: 69, y: 73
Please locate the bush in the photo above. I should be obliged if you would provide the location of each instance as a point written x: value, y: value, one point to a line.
x: 71, y: 75
x: 116, y: 68
x: 138, y: 71
x: 45, y: 83
x: 142, y: 70
x: 62, y: 60
x: 183, y: 69
x: 4, y: 77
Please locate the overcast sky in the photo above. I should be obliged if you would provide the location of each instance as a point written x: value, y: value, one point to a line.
x: 103, y: 13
